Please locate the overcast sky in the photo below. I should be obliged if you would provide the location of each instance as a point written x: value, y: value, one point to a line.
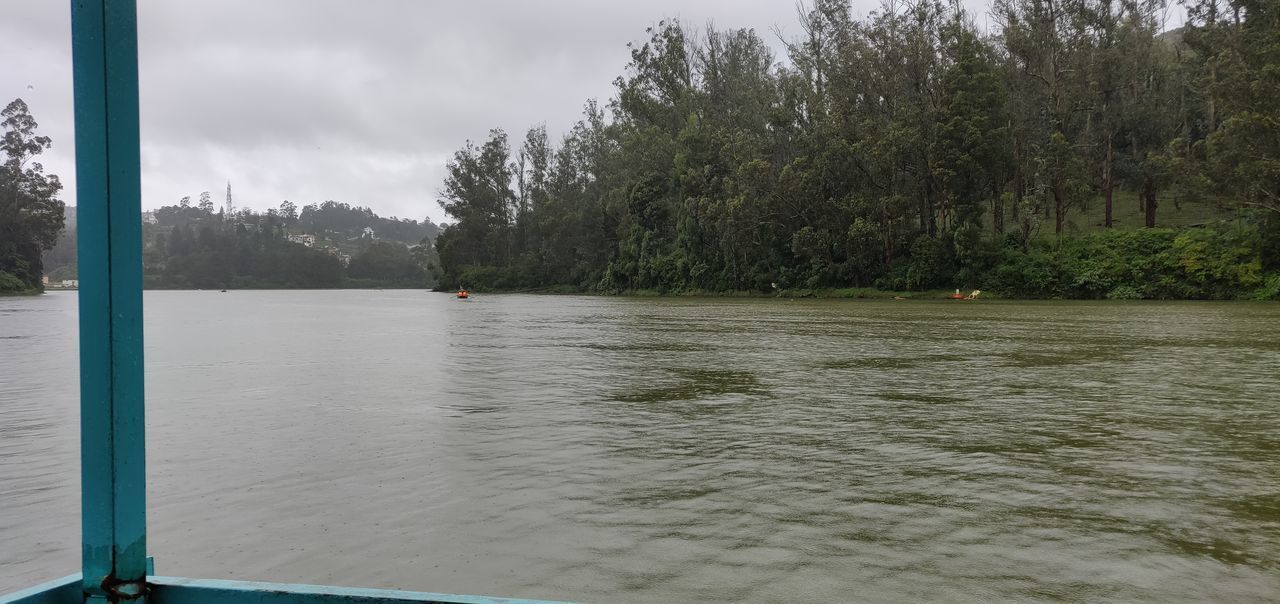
x: 355, y: 101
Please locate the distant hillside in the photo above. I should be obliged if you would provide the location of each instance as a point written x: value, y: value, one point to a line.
x: 60, y: 260
x: 343, y: 232
x: 336, y: 221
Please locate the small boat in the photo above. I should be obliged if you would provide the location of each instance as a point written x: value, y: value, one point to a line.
x: 463, y: 294
x: 971, y: 296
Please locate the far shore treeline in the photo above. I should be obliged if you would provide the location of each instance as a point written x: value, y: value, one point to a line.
x: 1073, y: 150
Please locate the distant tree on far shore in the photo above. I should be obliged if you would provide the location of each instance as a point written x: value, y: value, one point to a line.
x: 31, y: 215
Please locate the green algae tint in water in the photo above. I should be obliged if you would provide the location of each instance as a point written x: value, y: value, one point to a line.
x: 638, y: 450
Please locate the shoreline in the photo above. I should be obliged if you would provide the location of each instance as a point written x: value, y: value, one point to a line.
x: 852, y: 293
x: 862, y: 293
x: 849, y: 293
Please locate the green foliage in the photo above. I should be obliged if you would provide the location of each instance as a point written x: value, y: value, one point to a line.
x: 1124, y: 292
x: 1210, y: 263
x: 931, y: 264
x: 1241, y: 63
x: 973, y: 131
x: 31, y: 216
x: 10, y: 283
x: 1270, y: 290
x: 1033, y: 274
x: 1269, y: 241
x: 390, y: 263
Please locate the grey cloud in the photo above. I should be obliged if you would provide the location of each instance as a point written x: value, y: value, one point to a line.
x: 354, y: 101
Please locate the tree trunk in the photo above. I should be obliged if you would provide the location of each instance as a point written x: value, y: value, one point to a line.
x: 1107, y: 184
x: 936, y: 208
x: 1142, y: 201
x: 888, y: 243
x: 1210, y: 108
x: 1149, y: 198
x: 1059, y: 210
x: 1018, y: 182
x: 997, y: 208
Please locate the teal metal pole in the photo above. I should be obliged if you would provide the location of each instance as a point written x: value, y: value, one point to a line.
x: 108, y: 191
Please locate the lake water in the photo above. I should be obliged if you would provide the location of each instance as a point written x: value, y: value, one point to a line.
x: 638, y: 450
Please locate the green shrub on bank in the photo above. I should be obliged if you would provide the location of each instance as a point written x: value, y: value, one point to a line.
x: 1216, y: 263
x: 11, y: 284
x: 1225, y: 261
x: 1124, y: 292
x: 1270, y: 290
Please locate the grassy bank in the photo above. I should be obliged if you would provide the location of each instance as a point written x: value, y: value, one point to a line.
x: 870, y: 293
x: 862, y: 293
x: 1127, y: 215
x: 851, y: 293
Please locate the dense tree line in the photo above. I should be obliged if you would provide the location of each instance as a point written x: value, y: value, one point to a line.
x: 906, y: 150
x: 31, y: 216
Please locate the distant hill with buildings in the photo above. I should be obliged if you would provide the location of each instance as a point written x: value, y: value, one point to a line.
x: 194, y: 246
x: 60, y: 260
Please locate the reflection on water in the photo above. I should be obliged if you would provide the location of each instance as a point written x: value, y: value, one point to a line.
x: 674, y: 450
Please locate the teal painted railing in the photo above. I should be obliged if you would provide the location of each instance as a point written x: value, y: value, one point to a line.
x: 112, y: 460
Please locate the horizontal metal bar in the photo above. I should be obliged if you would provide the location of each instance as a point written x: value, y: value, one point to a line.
x: 66, y: 590
x: 176, y: 590
x: 59, y: 591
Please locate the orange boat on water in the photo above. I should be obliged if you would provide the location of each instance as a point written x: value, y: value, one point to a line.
x: 463, y: 294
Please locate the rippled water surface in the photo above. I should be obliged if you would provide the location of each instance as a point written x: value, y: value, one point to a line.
x: 637, y: 450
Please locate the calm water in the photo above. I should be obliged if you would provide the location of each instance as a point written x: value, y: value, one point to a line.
x: 629, y: 450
